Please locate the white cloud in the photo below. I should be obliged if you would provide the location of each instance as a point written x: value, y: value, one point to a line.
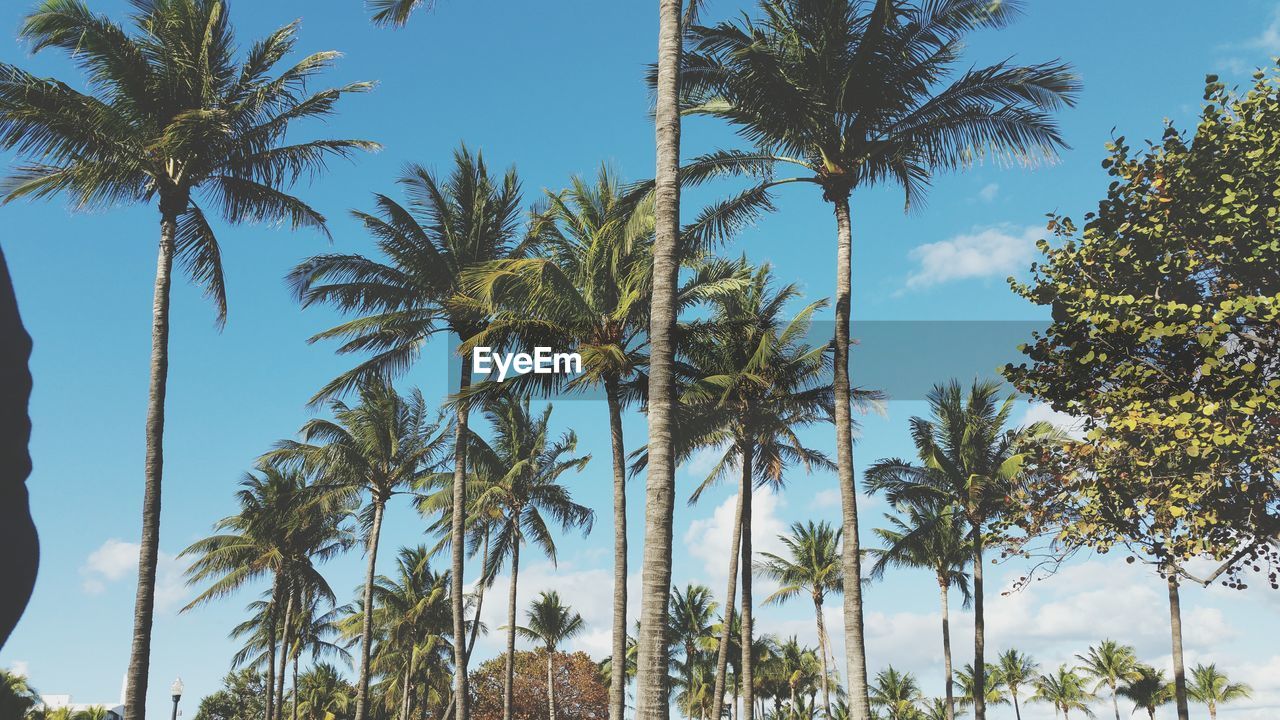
x: 987, y: 252
x: 117, y: 560
x: 710, y: 539
x: 21, y: 668
x: 989, y: 192
x: 1042, y: 412
x: 1259, y: 48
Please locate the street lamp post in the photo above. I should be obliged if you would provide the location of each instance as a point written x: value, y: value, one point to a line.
x: 176, y: 691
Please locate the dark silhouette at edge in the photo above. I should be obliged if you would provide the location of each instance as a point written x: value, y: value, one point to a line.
x: 20, y: 552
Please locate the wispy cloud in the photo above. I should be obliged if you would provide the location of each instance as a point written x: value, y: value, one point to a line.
x: 116, y: 560
x: 996, y: 251
x: 989, y: 192
x: 1251, y: 53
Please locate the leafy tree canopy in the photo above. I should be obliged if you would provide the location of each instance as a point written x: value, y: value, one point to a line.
x: 580, y: 693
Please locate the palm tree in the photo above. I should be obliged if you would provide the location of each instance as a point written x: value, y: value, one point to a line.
x: 323, y: 694
x: 992, y: 695
x: 283, y: 528
x: 174, y: 118
x: 380, y: 448
x: 813, y: 567
x: 17, y: 697
x: 969, y: 459
x: 1148, y: 690
x: 929, y: 536
x: 448, y: 228
x: 1016, y: 670
x: 518, y: 480
x: 796, y: 666
x: 939, y: 709
x: 751, y: 383
x: 897, y: 694
x: 587, y: 290
x: 851, y: 94
x: 1212, y: 688
x: 692, y: 612
x: 1110, y: 664
x: 313, y: 633
x: 551, y: 622
x: 1065, y: 690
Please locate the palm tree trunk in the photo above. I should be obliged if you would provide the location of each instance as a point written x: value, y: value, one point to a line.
x: 655, y: 577
x: 946, y: 652
x: 618, y: 669
x: 366, y: 626
x: 1179, y: 668
x: 1213, y: 710
x: 475, y: 624
x: 135, y: 697
x: 851, y: 553
x: 1017, y: 711
x: 286, y: 641
x: 404, y: 692
x: 457, y: 536
x: 508, y: 683
x: 748, y: 664
x: 1115, y: 703
x: 551, y: 684
x: 822, y: 648
x: 294, y: 710
x: 271, y: 646
x: 737, y: 686
x: 726, y: 626
x: 979, y: 631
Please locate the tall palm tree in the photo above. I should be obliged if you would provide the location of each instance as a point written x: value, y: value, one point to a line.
x: 897, y: 694
x: 1065, y: 690
x: 518, y: 480
x: 1148, y: 690
x: 376, y: 449
x: 929, y: 536
x: 449, y: 226
x: 692, y: 617
x: 1016, y: 670
x: 813, y: 567
x: 798, y: 668
x: 1211, y: 687
x: 284, y: 528
x: 751, y: 382
x: 968, y: 458
x: 323, y: 694
x: 551, y: 622
x: 174, y: 116
x: 852, y: 94
x: 1110, y: 664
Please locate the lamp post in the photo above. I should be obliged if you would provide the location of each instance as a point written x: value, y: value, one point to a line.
x: 176, y: 691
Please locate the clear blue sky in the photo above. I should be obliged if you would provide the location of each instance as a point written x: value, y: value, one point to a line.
x: 555, y: 88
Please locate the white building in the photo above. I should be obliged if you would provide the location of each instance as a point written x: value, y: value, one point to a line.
x: 57, y: 702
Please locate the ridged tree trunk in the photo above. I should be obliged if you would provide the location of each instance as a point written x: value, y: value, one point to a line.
x: 269, y: 711
x: 135, y: 696
x: 726, y: 626
x: 509, y: 678
x: 457, y: 551
x: 655, y: 581
x: 286, y: 640
x: 1179, y: 666
x: 946, y: 652
x: 551, y: 684
x: 475, y: 624
x: 851, y: 551
x: 618, y: 668
x: 746, y: 487
x: 979, y: 631
x: 366, y: 624
x: 404, y: 691
x: 294, y: 710
x: 822, y: 648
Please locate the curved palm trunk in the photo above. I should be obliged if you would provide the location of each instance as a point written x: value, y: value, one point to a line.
x: 551, y: 684
x: 475, y: 624
x: 508, y: 683
x: 366, y: 624
x: 457, y: 536
x: 271, y: 646
x: 851, y: 555
x: 822, y: 648
x: 946, y: 653
x: 726, y: 626
x: 135, y: 696
x: 1017, y: 711
x: 618, y: 669
x: 286, y: 642
x: 655, y: 580
x: 1179, y: 668
x: 979, y: 631
x: 748, y: 664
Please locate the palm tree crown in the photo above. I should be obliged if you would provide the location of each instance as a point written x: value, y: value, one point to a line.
x: 1211, y: 687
